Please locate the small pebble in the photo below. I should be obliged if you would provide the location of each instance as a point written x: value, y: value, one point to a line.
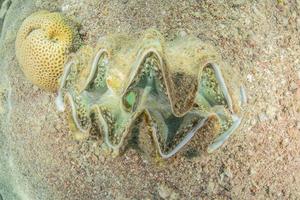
x: 65, y: 8
x: 166, y: 192
x: 211, y: 186
x: 262, y: 117
x: 182, y: 33
x: 238, y: 2
x: 163, y: 191
x: 250, y: 78
x: 293, y: 86
x: 298, y: 75
x: 196, y: 14
x: 228, y: 173
x: 97, y: 151
x: 70, y: 149
x: 271, y: 112
x: 253, y: 122
x: 298, y: 125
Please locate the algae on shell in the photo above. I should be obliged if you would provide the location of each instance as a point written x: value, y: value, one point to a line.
x: 179, y: 87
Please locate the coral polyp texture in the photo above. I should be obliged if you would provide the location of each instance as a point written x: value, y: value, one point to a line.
x: 153, y: 95
x: 42, y: 45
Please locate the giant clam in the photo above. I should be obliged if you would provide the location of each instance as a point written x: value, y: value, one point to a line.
x: 154, y: 93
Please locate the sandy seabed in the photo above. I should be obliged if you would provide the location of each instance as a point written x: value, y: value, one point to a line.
x: 259, y: 39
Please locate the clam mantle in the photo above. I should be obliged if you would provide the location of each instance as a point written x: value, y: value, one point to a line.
x: 154, y: 94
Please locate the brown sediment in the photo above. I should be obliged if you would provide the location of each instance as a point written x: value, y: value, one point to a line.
x: 258, y: 162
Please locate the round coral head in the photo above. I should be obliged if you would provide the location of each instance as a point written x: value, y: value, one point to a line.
x: 42, y: 45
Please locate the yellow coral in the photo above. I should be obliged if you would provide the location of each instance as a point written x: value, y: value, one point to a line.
x: 42, y: 45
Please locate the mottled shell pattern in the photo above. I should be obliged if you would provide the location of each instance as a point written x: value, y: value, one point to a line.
x: 156, y: 95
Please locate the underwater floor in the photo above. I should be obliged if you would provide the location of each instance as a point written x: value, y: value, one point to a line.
x: 259, y: 40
